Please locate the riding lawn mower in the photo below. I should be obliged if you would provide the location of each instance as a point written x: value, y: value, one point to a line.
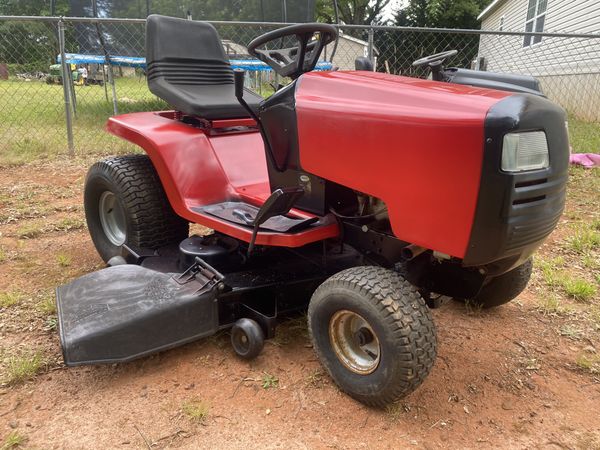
x: 362, y: 199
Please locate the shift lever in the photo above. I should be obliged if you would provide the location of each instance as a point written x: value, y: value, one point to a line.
x: 238, y: 79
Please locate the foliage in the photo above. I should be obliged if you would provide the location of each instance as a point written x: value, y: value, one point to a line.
x: 351, y: 12
x: 400, y: 49
x: 441, y: 13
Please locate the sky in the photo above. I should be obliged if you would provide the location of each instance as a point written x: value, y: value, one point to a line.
x: 391, y: 8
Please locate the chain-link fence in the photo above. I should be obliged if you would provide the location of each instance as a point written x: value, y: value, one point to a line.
x: 104, y: 63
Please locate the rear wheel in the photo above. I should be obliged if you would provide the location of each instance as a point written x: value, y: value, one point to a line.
x: 373, y: 332
x: 504, y: 288
x: 125, y: 204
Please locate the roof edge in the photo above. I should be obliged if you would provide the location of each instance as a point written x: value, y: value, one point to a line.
x: 489, y: 8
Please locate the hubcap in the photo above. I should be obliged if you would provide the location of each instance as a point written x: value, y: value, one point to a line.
x: 354, y: 342
x: 112, y: 218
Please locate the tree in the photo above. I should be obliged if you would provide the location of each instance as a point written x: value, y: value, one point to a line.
x: 399, y: 49
x: 29, y: 46
x: 351, y: 12
x: 441, y: 13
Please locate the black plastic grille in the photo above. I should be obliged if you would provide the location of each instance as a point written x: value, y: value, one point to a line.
x: 535, y: 210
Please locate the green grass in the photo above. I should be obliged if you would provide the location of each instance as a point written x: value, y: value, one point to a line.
x: 584, y: 136
x: 8, y: 299
x: 12, y: 441
x: 63, y: 260
x: 33, y: 124
x: 584, y: 240
x: 579, y: 289
x: 196, y: 410
x: 21, y: 368
x: 47, y: 306
x: 588, y: 363
x: 556, y: 275
x: 30, y: 231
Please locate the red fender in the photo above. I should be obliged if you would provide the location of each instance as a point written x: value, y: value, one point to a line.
x: 197, y: 169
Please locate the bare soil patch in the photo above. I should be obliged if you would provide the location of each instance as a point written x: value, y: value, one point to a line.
x: 512, y: 377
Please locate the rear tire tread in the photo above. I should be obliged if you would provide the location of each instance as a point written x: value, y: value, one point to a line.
x: 153, y: 223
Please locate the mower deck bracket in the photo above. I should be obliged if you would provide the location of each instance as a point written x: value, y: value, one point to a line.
x: 201, y: 272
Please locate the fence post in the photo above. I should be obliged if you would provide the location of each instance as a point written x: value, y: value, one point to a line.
x: 66, y: 90
x: 370, y: 45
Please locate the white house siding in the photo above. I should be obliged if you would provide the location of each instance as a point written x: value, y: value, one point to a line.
x: 568, y: 68
x: 347, y: 51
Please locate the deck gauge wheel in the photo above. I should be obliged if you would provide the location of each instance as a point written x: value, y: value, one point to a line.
x: 247, y: 338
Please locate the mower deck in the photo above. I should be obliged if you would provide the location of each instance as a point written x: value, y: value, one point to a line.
x: 114, y: 314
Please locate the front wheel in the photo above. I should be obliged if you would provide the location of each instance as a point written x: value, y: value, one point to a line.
x: 125, y: 204
x: 373, y: 332
x: 504, y: 288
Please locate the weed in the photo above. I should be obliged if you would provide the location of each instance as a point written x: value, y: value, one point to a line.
x: 571, y: 332
x: 30, y: 231
x: 68, y: 224
x: 579, y: 289
x: 316, y: 379
x: 63, y: 260
x: 584, y: 240
x: 13, y: 440
x: 51, y: 323
x: 10, y: 298
x: 550, y: 305
x: 590, y: 364
x: 196, y: 410
x: 22, y: 368
x: 395, y: 411
x: 47, y: 306
x: 550, y: 269
x: 269, y: 381
x: 590, y: 262
x: 473, y: 309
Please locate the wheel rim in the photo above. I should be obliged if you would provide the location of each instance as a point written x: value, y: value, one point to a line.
x: 241, y: 341
x: 112, y: 218
x: 354, y: 342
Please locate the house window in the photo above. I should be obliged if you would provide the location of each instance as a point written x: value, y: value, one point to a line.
x: 536, y: 16
x: 501, y: 27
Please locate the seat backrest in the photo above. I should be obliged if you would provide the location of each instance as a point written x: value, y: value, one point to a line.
x: 185, y: 52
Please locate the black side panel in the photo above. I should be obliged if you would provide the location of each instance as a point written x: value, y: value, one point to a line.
x: 123, y: 312
x: 516, y: 211
x: 502, y: 81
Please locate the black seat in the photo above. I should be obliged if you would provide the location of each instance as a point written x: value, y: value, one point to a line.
x: 187, y: 68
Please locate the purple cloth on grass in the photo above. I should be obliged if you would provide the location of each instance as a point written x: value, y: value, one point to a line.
x: 587, y: 160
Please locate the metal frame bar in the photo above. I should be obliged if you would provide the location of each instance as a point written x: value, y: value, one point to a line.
x: 282, y: 24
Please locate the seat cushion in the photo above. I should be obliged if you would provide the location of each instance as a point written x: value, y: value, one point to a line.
x: 207, y: 101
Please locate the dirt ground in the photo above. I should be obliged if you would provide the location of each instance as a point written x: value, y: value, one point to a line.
x: 525, y: 375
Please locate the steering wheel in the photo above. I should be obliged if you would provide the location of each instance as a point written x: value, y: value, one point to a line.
x: 428, y: 60
x: 294, y: 61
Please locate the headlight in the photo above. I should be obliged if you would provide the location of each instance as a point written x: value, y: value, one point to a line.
x: 524, y: 151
